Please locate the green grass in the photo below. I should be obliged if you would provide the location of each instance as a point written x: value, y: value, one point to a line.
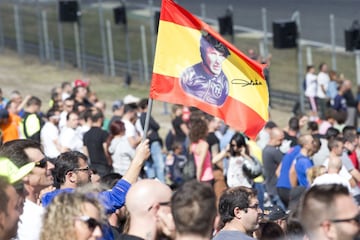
x: 283, y: 69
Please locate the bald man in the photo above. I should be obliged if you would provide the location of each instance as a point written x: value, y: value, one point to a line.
x: 272, y: 156
x: 148, y: 203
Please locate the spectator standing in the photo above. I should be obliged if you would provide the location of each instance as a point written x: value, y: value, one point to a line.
x: 323, y: 80
x: 272, y: 157
x: 351, y: 104
x: 157, y: 167
x: 32, y: 123
x: 311, y: 90
x: 120, y: 149
x: 95, y: 146
x: 49, y: 135
x: 200, y: 148
x: 70, y: 138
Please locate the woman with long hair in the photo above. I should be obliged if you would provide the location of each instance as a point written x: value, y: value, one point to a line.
x: 243, y: 167
x: 200, y: 149
x: 120, y: 150
x: 73, y: 216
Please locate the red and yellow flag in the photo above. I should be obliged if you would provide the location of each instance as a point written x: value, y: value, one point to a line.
x: 187, y: 71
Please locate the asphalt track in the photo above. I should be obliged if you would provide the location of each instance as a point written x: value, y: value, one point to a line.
x: 314, y: 14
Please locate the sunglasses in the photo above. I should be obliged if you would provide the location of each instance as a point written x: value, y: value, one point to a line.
x: 42, y: 163
x: 92, y: 223
x: 353, y: 219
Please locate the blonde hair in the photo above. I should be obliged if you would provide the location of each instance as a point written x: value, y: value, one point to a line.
x: 58, y: 220
x: 314, y: 172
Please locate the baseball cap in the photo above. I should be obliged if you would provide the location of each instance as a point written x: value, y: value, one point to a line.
x: 131, y: 99
x: 81, y: 83
x: 12, y: 172
x: 117, y: 105
x: 275, y: 213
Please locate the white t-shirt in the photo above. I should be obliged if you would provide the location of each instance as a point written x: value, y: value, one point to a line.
x: 122, y: 154
x: 30, y: 223
x: 323, y: 79
x: 311, y: 85
x: 235, y: 174
x: 70, y: 138
x: 48, y: 135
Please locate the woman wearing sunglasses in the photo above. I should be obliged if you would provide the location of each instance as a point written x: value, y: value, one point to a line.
x: 75, y: 215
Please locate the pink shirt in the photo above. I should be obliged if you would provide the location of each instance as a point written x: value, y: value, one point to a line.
x: 206, y: 173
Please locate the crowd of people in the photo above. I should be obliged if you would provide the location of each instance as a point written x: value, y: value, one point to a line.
x: 73, y: 173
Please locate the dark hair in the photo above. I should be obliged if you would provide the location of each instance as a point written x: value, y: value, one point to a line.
x: 96, y: 114
x: 33, y: 101
x: 72, y: 112
x: 15, y: 150
x: 66, y: 162
x: 110, y: 179
x: 271, y: 231
x: 331, y: 133
x: 309, y: 67
x: 206, y: 40
x: 313, y: 126
x: 294, y: 124
x: 233, y: 198
x: 131, y: 107
x: 333, y: 142
x: 143, y: 103
x: 240, y: 141
x: 193, y: 207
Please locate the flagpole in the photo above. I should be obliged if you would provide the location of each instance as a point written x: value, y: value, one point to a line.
x: 147, y: 119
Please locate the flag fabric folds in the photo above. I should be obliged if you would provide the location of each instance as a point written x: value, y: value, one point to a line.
x: 195, y: 66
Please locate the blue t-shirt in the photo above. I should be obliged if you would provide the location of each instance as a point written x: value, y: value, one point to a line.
x: 288, y: 159
x: 302, y: 164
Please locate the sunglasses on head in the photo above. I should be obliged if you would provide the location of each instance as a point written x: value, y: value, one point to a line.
x: 42, y: 163
x: 92, y: 223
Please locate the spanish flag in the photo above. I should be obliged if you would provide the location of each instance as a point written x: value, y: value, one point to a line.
x: 195, y: 66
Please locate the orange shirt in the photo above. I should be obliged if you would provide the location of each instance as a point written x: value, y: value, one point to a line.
x: 10, y: 130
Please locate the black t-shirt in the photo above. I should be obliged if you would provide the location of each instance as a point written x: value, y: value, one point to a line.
x: 180, y: 136
x: 214, y: 143
x: 93, y: 140
x: 292, y: 139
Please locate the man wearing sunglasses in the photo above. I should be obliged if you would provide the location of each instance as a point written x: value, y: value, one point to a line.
x: 329, y: 212
x: 23, y: 152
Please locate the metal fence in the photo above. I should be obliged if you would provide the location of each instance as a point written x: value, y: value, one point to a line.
x: 93, y: 44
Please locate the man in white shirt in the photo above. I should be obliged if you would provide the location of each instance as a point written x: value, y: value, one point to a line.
x: 49, y: 135
x: 70, y: 138
x: 323, y: 80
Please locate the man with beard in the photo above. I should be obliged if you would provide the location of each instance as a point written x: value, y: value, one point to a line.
x: 239, y: 211
x: 72, y: 170
x: 148, y: 204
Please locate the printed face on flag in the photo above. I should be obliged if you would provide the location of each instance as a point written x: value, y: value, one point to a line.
x: 195, y: 66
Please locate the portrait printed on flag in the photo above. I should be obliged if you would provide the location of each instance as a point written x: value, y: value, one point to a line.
x: 206, y: 79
